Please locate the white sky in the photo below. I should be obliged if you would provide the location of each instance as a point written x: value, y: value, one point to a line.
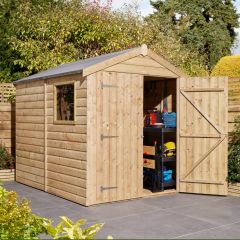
x: 145, y: 8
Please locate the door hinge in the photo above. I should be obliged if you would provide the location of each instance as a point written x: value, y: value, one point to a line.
x: 109, y: 86
x: 103, y: 137
x: 107, y: 188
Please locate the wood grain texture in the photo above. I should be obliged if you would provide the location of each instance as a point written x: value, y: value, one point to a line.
x: 115, y: 110
x: 203, y: 159
x: 66, y: 144
x: 51, y: 157
x: 30, y: 134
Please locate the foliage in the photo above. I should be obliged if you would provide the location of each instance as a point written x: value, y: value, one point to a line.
x: 66, y: 229
x: 17, y: 221
x: 227, y: 66
x: 234, y: 154
x: 38, y: 35
x: 205, y: 26
x: 164, y: 41
x: 7, y: 161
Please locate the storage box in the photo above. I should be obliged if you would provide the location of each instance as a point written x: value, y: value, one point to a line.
x: 169, y: 119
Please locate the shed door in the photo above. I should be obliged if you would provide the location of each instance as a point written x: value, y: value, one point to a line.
x: 119, y: 170
x: 202, y: 132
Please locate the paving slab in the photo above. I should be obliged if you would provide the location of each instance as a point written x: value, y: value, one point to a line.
x: 186, y: 216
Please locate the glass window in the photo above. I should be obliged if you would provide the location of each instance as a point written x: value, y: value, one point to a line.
x: 65, y: 102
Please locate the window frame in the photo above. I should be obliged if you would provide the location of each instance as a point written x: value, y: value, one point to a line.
x: 65, y: 122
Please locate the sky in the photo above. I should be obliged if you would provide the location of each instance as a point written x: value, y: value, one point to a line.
x: 145, y: 9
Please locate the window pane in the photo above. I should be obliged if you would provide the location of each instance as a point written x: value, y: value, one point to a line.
x: 65, y: 102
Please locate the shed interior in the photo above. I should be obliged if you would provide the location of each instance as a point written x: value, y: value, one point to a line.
x: 159, y: 141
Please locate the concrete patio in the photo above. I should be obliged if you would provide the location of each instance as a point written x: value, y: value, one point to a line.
x: 170, y: 216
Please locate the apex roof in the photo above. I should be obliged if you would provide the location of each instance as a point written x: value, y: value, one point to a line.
x: 94, y: 64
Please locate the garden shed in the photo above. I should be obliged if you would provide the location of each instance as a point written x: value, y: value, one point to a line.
x: 83, y: 131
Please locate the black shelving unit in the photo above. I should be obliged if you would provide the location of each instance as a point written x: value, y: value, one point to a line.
x: 160, y: 159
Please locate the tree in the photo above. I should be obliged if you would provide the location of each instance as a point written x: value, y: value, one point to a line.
x: 207, y: 26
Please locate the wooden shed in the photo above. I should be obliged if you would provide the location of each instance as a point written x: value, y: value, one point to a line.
x: 80, y: 128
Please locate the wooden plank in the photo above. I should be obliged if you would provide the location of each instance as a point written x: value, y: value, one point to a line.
x: 67, y: 153
x: 144, y: 70
x: 99, y: 143
x: 127, y: 138
x: 30, y: 126
x: 120, y: 132
x: 32, y: 178
x: 30, y: 134
x: 29, y: 148
x: 68, y: 188
x: 30, y: 112
x: 65, y: 136
x: 29, y: 105
x: 106, y: 132
x: 30, y: 140
x: 29, y: 162
x: 143, y: 61
x: 30, y: 119
x: 75, y: 181
x: 78, y: 164
x: 113, y: 141
x: 29, y: 182
x: 91, y: 138
x: 30, y: 98
x: 82, y: 147
x: 68, y: 128
x: 67, y: 170
x: 67, y: 195
x: 134, y: 132
x: 110, y: 62
x: 30, y: 169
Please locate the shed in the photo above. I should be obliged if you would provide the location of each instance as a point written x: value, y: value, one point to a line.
x: 80, y: 128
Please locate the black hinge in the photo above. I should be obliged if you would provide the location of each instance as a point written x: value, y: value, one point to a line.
x: 103, y: 137
x: 109, y: 86
x: 107, y: 188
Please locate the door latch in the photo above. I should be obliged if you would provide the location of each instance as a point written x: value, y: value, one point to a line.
x: 107, y: 188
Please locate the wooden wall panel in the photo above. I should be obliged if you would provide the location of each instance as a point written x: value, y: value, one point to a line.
x: 142, y: 65
x: 66, y: 146
x: 114, y: 144
x: 30, y: 134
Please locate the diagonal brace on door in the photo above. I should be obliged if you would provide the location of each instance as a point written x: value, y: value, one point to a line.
x: 220, y: 131
x: 204, y: 156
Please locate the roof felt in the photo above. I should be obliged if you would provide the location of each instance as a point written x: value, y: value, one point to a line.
x: 71, y: 68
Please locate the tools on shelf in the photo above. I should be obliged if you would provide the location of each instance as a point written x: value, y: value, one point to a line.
x: 159, y: 160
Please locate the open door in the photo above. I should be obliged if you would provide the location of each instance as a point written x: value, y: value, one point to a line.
x: 202, y: 135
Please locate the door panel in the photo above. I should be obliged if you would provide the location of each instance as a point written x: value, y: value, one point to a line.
x: 119, y: 171
x: 202, y: 132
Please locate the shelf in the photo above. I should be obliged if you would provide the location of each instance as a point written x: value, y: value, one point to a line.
x: 158, y: 129
x: 169, y: 159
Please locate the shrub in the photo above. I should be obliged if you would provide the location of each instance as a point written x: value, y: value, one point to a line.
x: 227, y: 66
x: 6, y: 159
x: 234, y: 154
x: 67, y: 229
x: 17, y: 220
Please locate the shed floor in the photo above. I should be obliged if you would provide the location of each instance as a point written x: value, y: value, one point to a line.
x: 169, y: 216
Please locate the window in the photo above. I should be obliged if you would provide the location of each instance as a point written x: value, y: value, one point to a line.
x: 64, y: 103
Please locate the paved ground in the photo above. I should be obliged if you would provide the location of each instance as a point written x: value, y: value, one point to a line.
x: 173, y: 216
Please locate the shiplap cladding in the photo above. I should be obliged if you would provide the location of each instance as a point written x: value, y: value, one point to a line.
x: 30, y: 134
x: 66, y: 145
